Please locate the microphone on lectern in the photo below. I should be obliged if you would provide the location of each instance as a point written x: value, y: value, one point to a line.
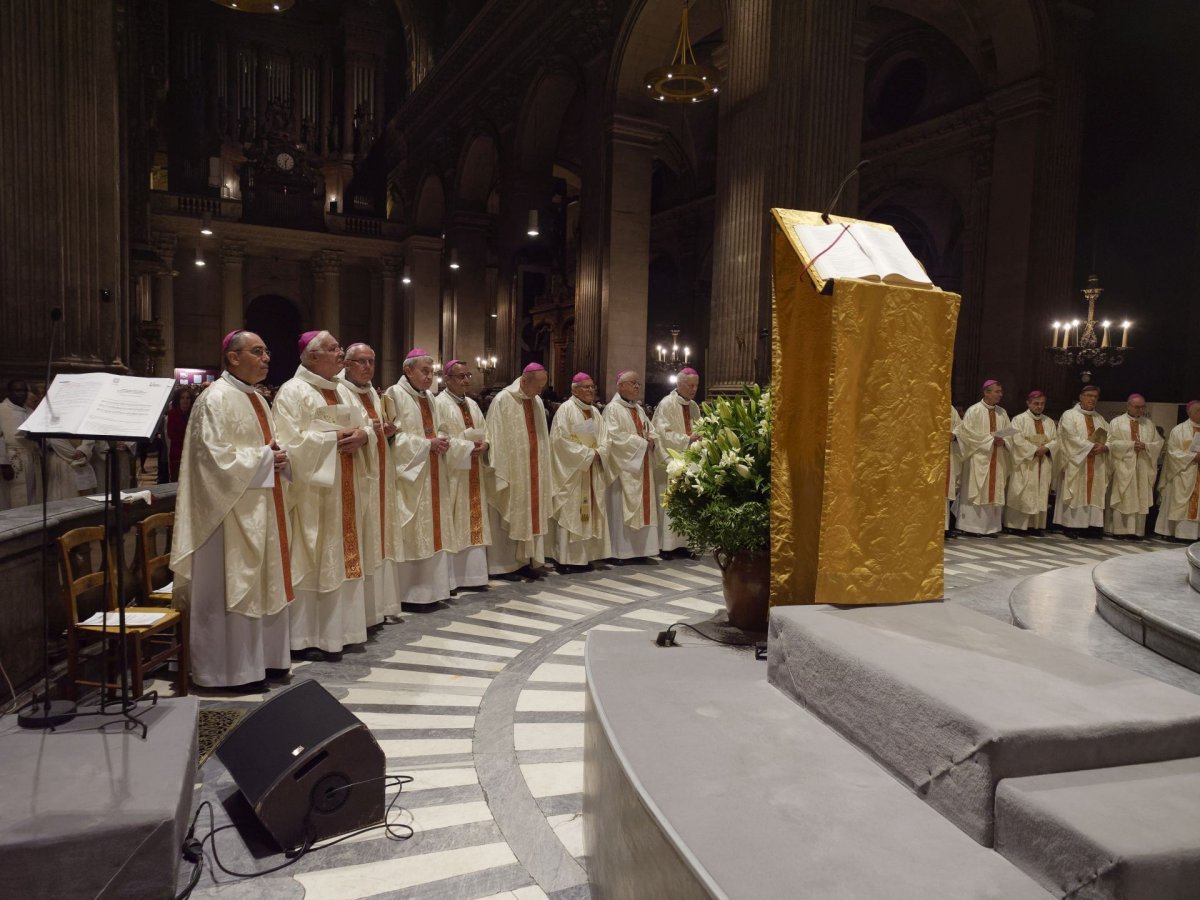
x: 837, y: 195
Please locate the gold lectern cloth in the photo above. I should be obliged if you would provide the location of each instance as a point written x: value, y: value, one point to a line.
x: 860, y: 389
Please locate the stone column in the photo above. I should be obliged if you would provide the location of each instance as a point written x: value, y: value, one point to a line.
x: 471, y: 305
x: 423, y: 315
x: 233, y: 291
x: 164, y: 302
x: 327, y: 277
x: 389, y: 349
x: 594, y: 211
x: 623, y: 322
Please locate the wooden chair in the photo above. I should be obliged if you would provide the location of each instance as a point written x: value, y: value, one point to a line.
x: 155, y: 570
x: 148, y: 645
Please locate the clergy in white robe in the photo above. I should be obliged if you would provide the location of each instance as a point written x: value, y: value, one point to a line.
x: 982, y: 438
x: 578, y: 456
x: 632, y: 519
x: 1083, y: 461
x: 953, y: 467
x: 380, y: 538
x: 422, y: 490
x: 1033, y: 449
x: 468, y: 475
x: 673, y: 420
x: 229, y: 549
x: 1134, y: 447
x: 69, y: 471
x: 520, y: 500
x: 320, y: 424
x: 1179, y: 486
x: 23, y: 459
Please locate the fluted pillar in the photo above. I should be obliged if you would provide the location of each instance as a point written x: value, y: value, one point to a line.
x: 327, y: 279
x: 164, y: 302
x: 593, y: 220
x: 470, y: 304
x: 232, y: 287
x: 423, y: 258
x: 389, y: 349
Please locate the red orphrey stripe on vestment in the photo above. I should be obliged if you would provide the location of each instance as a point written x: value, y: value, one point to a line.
x: 473, y: 481
x: 992, y: 460
x: 434, y: 470
x: 637, y: 423
x: 1194, y: 503
x: 277, y: 493
x: 535, y: 515
x: 687, y: 419
x: 349, y: 515
x: 1040, y: 427
x: 1091, y: 460
x: 381, y: 443
x: 590, y: 512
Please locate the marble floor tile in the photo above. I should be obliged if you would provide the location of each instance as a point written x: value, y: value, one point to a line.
x: 483, y: 631
x: 610, y: 627
x: 385, y: 721
x: 442, y: 661
x: 571, y: 648
x: 551, y: 779
x: 532, y: 892
x: 406, y: 697
x: 607, y: 596
x: 541, y: 610
x: 550, y: 701
x: 696, y: 579
x: 489, y: 615
x: 381, y: 675
x: 439, y: 643
x: 700, y: 606
x: 547, y: 735
x: 658, y: 580
x: 403, y: 748
x: 625, y: 586
x: 425, y: 779
x: 651, y: 615
x: 560, y: 672
x: 572, y: 602
x: 569, y: 829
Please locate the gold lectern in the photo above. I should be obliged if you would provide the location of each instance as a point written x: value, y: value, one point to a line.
x: 861, y: 398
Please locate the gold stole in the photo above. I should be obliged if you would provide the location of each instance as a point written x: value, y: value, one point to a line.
x: 349, y: 517
x: 992, y: 460
x: 586, y: 507
x: 473, y: 480
x: 1194, y: 503
x: 381, y: 443
x: 535, y: 517
x: 277, y: 492
x: 637, y: 423
x: 434, y: 469
x: 1040, y: 428
x: 1091, y: 460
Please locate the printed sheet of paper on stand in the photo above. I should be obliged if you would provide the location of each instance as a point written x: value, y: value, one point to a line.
x: 101, y: 406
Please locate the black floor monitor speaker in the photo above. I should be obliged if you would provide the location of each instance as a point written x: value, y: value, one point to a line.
x: 307, y: 765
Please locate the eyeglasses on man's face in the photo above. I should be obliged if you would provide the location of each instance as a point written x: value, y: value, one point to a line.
x: 260, y: 352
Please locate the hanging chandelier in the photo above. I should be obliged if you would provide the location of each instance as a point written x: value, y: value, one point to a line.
x: 671, y: 357
x: 257, y: 6
x: 1071, y: 347
x: 683, y: 80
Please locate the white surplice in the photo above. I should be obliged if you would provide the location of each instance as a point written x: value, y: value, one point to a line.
x: 632, y: 520
x: 520, y: 500
x: 985, y: 469
x: 329, y: 611
x: 26, y: 487
x: 953, y: 464
x: 1028, y: 495
x: 468, y: 477
x: 1131, y: 487
x: 229, y: 551
x: 673, y: 423
x: 1179, y: 486
x: 578, y: 455
x: 1083, y: 489
x: 422, y: 494
x: 69, y: 476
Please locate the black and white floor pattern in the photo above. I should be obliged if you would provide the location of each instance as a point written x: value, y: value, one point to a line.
x: 482, y: 703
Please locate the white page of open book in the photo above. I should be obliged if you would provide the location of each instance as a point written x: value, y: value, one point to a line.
x: 843, y: 259
x: 128, y: 407
x: 888, y: 252
x: 66, y: 404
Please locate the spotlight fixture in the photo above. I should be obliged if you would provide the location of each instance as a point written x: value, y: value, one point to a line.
x: 683, y: 80
x: 200, y: 258
x: 257, y: 6
x: 406, y: 277
x: 454, y: 259
x: 206, y: 225
x: 532, y: 226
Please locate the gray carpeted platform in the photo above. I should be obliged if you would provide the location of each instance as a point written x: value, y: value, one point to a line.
x: 1148, y: 599
x: 1126, y: 833
x: 1193, y: 558
x: 695, y: 765
x: 953, y: 701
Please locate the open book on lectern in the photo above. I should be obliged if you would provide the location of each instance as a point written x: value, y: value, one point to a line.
x: 101, y: 406
x: 863, y: 250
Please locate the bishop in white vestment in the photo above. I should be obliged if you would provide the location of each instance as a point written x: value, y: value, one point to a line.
x: 985, y: 466
x: 380, y: 540
x: 1179, y: 485
x: 578, y: 456
x: 1134, y: 447
x: 953, y: 468
x: 229, y: 550
x: 1083, y: 490
x: 1033, y: 449
x: 322, y: 427
x: 22, y: 460
x: 467, y: 475
x: 422, y: 490
x: 632, y: 519
x: 519, y: 504
x: 673, y: 420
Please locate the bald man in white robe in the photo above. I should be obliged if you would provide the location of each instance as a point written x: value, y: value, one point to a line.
x: 579, y: 452
x: 673, y: 422
x: 632, y: 519
x: 1083, y: 489
x: 985, y: 464
x: 1179, y: 484
x: 1134, y: 446
x: 1033, y: 449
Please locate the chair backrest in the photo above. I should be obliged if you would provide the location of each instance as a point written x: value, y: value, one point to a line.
x: 153, y: 565
x: 75, y: 586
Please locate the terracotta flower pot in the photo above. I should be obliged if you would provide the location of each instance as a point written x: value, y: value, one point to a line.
x: 747, y: 580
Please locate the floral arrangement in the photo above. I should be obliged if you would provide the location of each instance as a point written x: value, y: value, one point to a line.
x: 719, y: 489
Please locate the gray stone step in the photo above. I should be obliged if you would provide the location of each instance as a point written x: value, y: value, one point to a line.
x: 1148, y: 598
x: 1193, y: 556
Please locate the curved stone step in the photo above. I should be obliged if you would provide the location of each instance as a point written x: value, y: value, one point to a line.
x: 1149, y: 599
x: 1193, y: 557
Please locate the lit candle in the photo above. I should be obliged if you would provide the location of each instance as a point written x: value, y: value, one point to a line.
x: 1066, y: 335
x: 1057, y: 325
x: 1125, y: 333
x: 1104, y: 340
x: 686, y: 354
x: 1075, y: 325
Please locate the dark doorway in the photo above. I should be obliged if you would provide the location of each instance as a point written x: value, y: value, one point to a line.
x: 276, y: 320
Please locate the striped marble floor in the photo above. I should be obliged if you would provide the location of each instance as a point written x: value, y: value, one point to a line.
x: 481, y: 702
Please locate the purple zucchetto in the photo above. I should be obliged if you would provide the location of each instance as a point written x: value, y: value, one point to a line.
x: 687, y: 370
x: 454, y: 362
x: 581, y: 376
x: 987, y: 384
x: 533, y: 367
x: 1034, y: 394
x: 225, y: 341
x: 1133, y: 397
x: 1192, y: 403
x: 305, y: 339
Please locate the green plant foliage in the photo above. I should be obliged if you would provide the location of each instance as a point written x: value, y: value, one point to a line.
x: 719, y: 489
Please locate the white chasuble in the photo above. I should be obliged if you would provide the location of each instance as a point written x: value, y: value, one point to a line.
x: 519, y: 501
x: 673, y: 419
x: 230, y: 551
x: 1179, y: 486
x: 1083, y: 490
x: 953, y: 464
x: 1028, y: 494
x: 985, y: 468
x: 468, y: 530
x: 380, y: 538
x: 325, y: 513
x: 632, y: 520
x: 578, y: 456
x: 422, y: 493
x: 1132, y: 473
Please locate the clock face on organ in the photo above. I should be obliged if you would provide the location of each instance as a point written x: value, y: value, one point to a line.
x: 285, y: 161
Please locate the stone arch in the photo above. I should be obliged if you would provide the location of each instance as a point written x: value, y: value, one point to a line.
x: 277, y: 320
x: 542, y: 113
x: 477, y: 171
x: 429, y: 212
